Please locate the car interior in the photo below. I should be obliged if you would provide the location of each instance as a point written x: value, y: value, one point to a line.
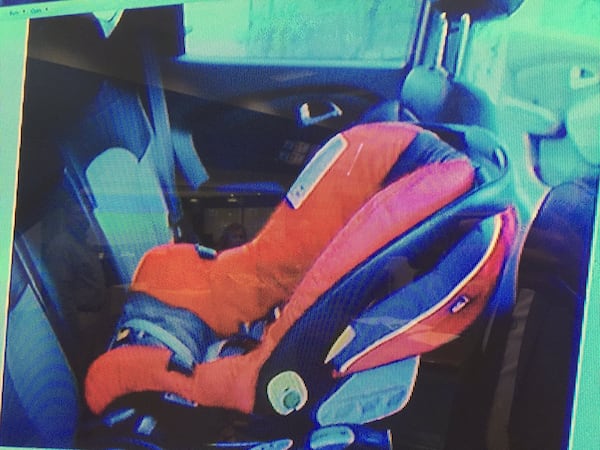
x: 438, y: 288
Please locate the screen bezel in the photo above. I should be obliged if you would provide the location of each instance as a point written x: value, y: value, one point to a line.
x: 13, y: 53
x: 13, y: 36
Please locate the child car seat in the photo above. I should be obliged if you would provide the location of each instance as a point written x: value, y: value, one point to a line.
x: 295, y: 334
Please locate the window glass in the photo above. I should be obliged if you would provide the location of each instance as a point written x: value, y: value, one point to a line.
x: 376, y: 31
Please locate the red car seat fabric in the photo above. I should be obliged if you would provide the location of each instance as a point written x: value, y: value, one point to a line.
x: 353, y: 209
x: 244, y: 283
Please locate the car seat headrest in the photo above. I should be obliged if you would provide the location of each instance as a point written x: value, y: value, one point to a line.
x: 425, y: 93
x: 431, y: 95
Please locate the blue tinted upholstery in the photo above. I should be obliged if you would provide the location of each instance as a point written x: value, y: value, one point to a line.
x: 129, y: 206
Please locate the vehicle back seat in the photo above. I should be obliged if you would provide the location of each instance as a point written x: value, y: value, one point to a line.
x: 116, y: 168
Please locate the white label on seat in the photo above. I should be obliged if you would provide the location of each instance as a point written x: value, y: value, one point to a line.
x: 315, y: 170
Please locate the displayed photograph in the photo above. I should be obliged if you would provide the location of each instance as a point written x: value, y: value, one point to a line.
x: 274, y: 224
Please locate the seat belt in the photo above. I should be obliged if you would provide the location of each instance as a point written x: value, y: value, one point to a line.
x: 167, y: 148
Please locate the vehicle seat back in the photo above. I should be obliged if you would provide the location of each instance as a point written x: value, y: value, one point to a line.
x: 555, y: 266
x: 112, y: 171
x: 129, y: 206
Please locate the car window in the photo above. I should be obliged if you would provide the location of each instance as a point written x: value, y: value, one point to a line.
x: 373, y: 32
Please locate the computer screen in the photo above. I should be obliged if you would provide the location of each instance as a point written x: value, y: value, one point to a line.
x: 272, y: 224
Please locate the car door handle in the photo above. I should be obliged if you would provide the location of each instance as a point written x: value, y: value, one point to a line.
x: 325, y: 110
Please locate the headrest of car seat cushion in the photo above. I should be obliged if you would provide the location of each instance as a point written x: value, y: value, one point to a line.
x: 425, y: 92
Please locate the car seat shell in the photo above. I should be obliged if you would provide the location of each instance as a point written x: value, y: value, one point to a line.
x: 338, y: 285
